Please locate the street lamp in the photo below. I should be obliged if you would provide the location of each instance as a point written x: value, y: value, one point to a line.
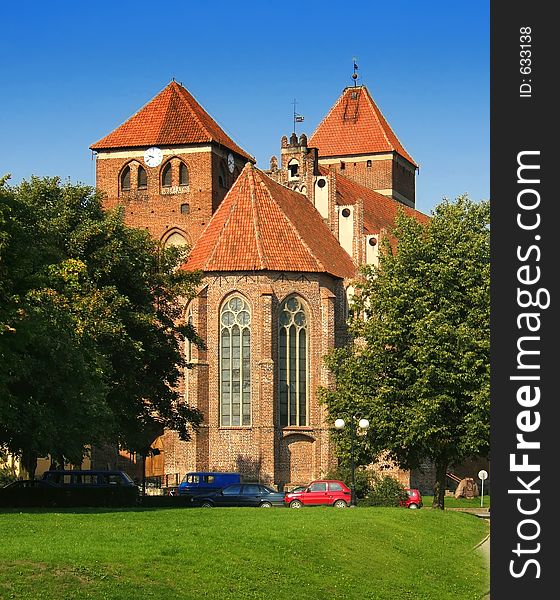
x: 363, y: 426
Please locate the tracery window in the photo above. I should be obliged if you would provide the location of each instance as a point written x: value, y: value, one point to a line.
x: 293, y: 349
x: 188, y: 355
x: 235, y: 363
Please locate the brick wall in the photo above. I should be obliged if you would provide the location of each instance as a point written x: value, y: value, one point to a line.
x: 264, y: 450
x: 161, y: 210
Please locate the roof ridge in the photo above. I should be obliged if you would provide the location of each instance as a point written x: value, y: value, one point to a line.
x: 135, y: 113
x: 328, y: 114
x: 214, y: 249
x: 194, y: 109
x: 293, y: 227
x: 256, y: 217
x: 378, y: 110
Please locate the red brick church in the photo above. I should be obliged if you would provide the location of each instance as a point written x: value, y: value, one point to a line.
x: 279, y: 249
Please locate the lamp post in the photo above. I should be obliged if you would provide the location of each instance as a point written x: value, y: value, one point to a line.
x: 363, y: 425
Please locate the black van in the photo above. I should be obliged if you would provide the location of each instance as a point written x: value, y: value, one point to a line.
x: 88, y: 478
x: 91, y: 488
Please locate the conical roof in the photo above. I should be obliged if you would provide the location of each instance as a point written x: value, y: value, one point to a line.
x: 172, y: 118
x: 355, y: 125
x: 263, y: 226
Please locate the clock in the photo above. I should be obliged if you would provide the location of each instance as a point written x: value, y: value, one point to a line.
x: 230, y: 162
x: 153, y: 156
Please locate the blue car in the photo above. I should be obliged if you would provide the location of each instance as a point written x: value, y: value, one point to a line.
x: 241, y: 494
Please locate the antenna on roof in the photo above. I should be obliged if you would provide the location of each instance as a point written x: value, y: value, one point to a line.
x: 355, y: 73
x: 297, y: 118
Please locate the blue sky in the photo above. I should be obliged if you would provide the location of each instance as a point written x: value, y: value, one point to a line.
x: 73, y: 71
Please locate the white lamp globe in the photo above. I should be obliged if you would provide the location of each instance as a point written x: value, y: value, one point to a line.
x: 363, y: 423
x: 339, y: 423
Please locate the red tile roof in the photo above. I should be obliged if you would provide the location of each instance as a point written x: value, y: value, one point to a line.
x: 379, y: 211
x: 263, y: 226
x: 355, y: 125
x: 172, y: 118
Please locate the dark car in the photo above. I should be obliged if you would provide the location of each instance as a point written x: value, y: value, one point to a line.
x: 241, y: 494
x: 29, y: 492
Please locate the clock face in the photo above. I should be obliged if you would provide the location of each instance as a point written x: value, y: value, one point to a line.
x: 153, y: 156
x: 230, y: 162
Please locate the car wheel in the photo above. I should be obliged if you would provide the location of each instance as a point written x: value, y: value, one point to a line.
x: 295, y: 504
x: 265, y: 505
x: 207, y: 505
x: 340, y: 504
x: 413, y: 506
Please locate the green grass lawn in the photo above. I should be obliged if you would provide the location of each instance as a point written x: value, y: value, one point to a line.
x: 236, y: 554
x: 451, y: 502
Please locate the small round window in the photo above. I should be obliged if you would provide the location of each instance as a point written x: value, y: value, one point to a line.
x: 372, y: 241
x: 345, y: 212
x: 321, y: 183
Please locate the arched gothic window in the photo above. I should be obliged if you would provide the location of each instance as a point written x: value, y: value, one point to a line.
x: 125, y: 179
x: 166, y: 175
x: 188, y: 355
x: 235, y: 363
x: 222, y: 181
x: 293, y: 349
x: 293, y: 169
x: 175, y: 239
x: 142, y: 178
x: 183, y: 174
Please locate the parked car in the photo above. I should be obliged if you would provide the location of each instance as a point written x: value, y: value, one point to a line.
x: 203, y: 482
x: 321, y: 492
x: 241, y: 494
x: 414, y: 499
x: 29, y: 492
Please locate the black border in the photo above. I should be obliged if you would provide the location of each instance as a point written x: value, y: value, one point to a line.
x: 519, y: 124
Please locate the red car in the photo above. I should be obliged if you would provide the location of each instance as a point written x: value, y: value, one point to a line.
x: 414, y: 499
x: 321, y: 492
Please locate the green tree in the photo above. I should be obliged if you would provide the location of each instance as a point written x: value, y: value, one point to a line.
x: 419, y: 367
x: 90, y: 325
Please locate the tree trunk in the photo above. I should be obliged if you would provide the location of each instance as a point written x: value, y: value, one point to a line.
x: 439, y: 489
x: 28, y: 464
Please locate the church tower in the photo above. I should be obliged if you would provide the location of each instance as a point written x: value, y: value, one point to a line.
x: 170, y: 166
x: 355, y: 140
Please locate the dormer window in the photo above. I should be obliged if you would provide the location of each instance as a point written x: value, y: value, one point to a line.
x: 125, y: 179
x: 166, y: 175
x: 142, y: 178
x: 183, y: 174
x: 293, y: 169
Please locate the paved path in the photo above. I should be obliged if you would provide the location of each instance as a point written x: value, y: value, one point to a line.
x: 484, y: 549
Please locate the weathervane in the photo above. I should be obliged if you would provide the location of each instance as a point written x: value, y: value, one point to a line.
x: 355, y: 73
x: 297, y: 117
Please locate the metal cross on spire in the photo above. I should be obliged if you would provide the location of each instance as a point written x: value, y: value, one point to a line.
x: 297, y: 117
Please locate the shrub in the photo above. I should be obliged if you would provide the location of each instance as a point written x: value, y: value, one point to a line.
x: 363, y: 479
x: 386, y: 491
x: 7, y: 475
